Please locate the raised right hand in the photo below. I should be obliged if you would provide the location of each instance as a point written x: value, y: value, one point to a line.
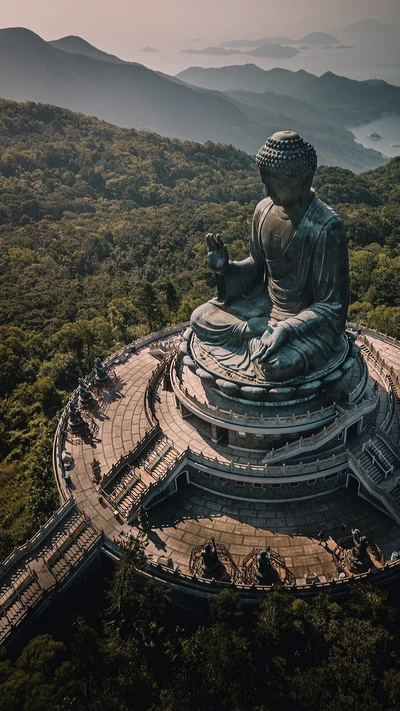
x: 218, y: 257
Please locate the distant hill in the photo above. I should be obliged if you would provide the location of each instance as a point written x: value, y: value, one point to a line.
x: 370, y: 25
x: 273, y: 50
x: 318, y: 38
x: 348, y: 101
x: 77, y: 45
x: 314, y: 38
x: 132, y: 96
x: 268, y: 50
x: 211, y: 50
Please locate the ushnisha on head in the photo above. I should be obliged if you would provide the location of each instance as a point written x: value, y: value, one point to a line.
x: 287, y: 165
x: 286, y: 152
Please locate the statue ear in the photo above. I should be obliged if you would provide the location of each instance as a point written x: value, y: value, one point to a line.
x: 308, y: 178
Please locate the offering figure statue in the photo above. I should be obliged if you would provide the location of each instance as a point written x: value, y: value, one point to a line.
x: 101, y: 373
x: 263, y: 563
x: 280, y: 314
x: 209, y: 562
x: 85, y: 396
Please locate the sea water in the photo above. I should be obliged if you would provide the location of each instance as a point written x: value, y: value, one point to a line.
x: 388, y: 127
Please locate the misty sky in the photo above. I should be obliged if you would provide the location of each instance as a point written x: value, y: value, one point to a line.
x: 122, y: 26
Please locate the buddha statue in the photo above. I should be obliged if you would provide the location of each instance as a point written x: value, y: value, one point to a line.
x: 280, y: 314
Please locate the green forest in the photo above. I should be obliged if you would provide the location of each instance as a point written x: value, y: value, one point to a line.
x: 102, y: 240
x: 286, y: 655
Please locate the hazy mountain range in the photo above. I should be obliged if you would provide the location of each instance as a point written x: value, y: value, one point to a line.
x: 73, y: 74
x: 345, y: 100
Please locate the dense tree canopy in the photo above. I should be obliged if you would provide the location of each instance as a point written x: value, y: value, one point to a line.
x: 288, y: 655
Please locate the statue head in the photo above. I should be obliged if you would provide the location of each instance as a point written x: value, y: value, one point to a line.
x: 287, y: 164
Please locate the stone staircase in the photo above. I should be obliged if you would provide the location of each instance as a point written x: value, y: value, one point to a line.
x: 159, y: 462
x: 126, y: 489
x: 70, y: 546
x: 378, y: 459
x: 16, y: 599
x: 47, y: 565
x: 371, y: 468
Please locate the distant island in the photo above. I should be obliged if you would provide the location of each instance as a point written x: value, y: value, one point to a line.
x: 374, y: 136
x: 150, y: 49
x: 219, y: 51
x: 338, y: 46
x: 273, y: 50
x: 314, y: 38
x: 370, y: 25
x: 268, y: 50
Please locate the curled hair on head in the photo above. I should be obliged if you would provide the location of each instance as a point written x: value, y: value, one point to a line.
x: 287, y: 152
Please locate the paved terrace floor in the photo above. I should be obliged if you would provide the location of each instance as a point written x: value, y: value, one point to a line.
x: 189, y: 518
x: 192, y: 516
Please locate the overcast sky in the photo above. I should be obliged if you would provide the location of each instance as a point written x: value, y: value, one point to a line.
x: 118, y: 25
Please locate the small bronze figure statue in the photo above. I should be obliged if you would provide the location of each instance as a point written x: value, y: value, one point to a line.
x: 358, y: 557
x: 86, y: 398
x: 264, y: 567
x: 76, y: 422
x: 209, y: 563
x: 101, y: 373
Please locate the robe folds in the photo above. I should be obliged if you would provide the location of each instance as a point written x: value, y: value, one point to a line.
x: 305, y: 290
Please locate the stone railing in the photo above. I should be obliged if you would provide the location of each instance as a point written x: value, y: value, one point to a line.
x: 307, y: 444
x: 390, y: 379
x: 40, y: 534
x: 128, y: 458
x: 58, y: 467
x: 250, y: 593
x: 244, y: 420
x: 374, y: 334
x: 135, y: 346
x: 152, y: 382
x: 268, y: 471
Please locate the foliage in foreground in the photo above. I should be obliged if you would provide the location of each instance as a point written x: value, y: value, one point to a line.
x: 289, y: 656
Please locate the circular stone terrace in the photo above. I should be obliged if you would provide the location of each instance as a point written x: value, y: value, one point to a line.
x: 150, y: 454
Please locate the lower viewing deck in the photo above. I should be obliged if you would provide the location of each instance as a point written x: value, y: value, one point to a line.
x: 140, y: 454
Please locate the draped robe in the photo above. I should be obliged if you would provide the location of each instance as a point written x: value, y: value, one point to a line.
x: 306, y: 290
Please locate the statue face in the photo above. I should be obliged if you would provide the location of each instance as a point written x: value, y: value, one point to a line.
x: 284, y: 189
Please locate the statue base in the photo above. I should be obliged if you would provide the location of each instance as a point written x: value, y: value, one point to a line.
x: 242, y: 386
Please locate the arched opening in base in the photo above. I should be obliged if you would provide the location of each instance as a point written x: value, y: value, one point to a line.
x: 182, y: 480
x: 353, y: 484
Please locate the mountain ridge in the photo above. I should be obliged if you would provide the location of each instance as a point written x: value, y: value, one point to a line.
x: 133, y: 96
x: 349, y: 101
